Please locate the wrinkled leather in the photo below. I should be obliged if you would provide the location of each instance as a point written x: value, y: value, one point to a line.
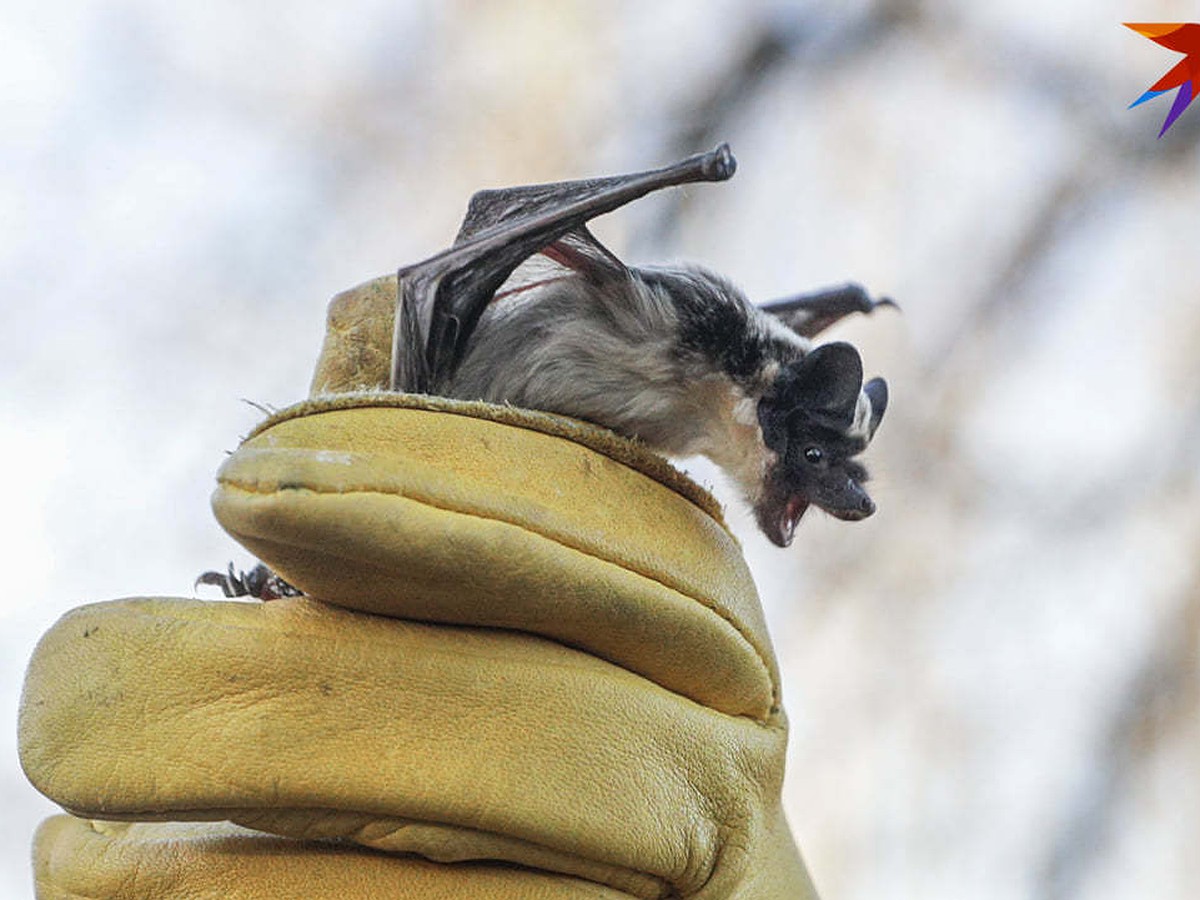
x: 524, y: 669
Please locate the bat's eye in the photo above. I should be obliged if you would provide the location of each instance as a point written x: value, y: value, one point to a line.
x: 813, y: 454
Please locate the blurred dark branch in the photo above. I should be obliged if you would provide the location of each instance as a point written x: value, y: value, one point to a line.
x: 802, y: 39
x: 1118, y: 151
x: 1060, y: 210
x: 799, y: 39
x: 1159, y: 701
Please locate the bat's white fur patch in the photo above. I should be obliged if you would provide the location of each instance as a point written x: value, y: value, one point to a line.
x: 733, y: 437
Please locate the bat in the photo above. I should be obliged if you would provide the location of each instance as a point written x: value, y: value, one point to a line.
x: 528, y: 308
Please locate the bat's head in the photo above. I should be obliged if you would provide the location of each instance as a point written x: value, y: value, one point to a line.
x: 816, y: 418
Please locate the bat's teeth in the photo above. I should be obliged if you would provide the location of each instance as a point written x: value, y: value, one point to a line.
x: 792, y: 512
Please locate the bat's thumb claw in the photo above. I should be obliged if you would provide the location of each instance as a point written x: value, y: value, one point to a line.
x: 214, y: 578
x: 719, y: 165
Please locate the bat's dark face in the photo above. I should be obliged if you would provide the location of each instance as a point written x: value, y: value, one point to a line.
x: 816, y: 418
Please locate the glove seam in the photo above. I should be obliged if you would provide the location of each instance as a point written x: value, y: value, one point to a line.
x: 765, y: 669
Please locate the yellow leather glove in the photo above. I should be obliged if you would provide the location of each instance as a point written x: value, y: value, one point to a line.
x: 533, y: 665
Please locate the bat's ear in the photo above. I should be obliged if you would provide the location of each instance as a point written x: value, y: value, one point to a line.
x: 828, y: 382
x: 877, y: 392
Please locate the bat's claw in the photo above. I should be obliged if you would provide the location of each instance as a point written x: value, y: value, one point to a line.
x: 230, y: 583
x: 260, y: 583
x: 851, y: 297
x: 719, y: 164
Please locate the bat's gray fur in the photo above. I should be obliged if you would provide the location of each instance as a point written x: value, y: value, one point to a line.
x: 614, y: 354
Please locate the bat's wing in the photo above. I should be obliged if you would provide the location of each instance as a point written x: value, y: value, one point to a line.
x: 810, y: 313
x: 441, y: 299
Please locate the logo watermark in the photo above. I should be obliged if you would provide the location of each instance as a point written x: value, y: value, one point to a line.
x: 1182, y: 37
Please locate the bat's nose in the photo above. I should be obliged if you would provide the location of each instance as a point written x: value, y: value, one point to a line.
x: 852, y: 509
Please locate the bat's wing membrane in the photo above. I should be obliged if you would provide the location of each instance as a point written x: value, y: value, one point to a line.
x: 441, y: 299
x: 576, y: 254
x: 579, y: 251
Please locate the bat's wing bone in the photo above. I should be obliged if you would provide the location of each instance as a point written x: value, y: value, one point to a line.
x: 441, y: 299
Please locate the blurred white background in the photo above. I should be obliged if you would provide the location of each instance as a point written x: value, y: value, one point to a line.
x: 994, y: 683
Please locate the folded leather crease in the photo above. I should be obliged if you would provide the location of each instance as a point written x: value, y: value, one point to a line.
x: 432, y: 840
x: 440, y: 842
x: 762, y: 715
x: 567, y: 540
x: 95, y: 860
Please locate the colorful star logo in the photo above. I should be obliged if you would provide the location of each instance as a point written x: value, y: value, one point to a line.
x: 1182, y: 38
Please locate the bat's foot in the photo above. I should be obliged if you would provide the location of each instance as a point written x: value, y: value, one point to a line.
x: 260, y: 583
x: 810, y: 313
x: 841, y: 300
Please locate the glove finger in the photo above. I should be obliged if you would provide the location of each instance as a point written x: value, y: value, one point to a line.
x: 186, y: 709
x: 74, y: 858
x: 436, y: 515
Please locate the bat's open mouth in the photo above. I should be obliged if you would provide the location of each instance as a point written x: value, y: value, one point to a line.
x: 778, y: 522
x: 779, y: 516
x: 792, y: 512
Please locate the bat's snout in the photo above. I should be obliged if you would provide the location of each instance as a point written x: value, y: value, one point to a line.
x: 845, y: 499
x: 861, y: 509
